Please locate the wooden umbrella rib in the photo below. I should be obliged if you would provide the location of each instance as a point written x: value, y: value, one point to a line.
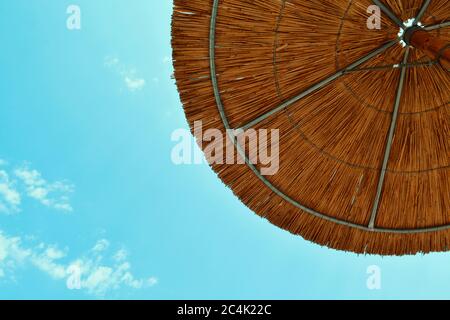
x: 278, y: 192
x: 422, y: 11
x: 318, y: 85
x: 390, y: 139
x: 429, y: 63
x: 212, y: 63
x: 437, y: 26
x: 390, y: 14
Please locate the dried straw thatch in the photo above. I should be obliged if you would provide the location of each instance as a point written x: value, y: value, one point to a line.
x: 365, y: 155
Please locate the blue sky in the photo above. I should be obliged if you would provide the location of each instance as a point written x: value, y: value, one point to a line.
x: 87, y: 180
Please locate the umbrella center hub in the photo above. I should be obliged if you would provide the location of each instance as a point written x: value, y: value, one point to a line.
x: 405, y: 33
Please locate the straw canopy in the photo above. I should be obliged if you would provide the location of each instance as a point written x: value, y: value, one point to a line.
x: 362, y: 112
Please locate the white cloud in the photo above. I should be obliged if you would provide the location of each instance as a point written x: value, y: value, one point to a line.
x: 129, y: 75
x: 54, y: 195
x: 100, y: 272
x: 9, y: 197
x: 12, y: 254
x: 3, y: 162
x: 101, y: 245
x: 54, y: 253
x: 152, y: 281
x: 120, y: 255
x: 49, y: 266
x: 134, y: 83
x: 99, y: 279
x: 96, y: 276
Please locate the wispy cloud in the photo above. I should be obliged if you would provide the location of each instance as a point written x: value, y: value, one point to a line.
x: 54, y: 195
x: 101, y: 245
x: 134, y: 83
x: 96, y: 277
x: 100, y: 270
x: 9, y: 197
x: 120, y: 255
x: 128, y: 74
x: 45, y: 258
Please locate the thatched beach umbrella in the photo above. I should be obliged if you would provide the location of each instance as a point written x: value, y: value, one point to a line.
x: 362, y: 113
